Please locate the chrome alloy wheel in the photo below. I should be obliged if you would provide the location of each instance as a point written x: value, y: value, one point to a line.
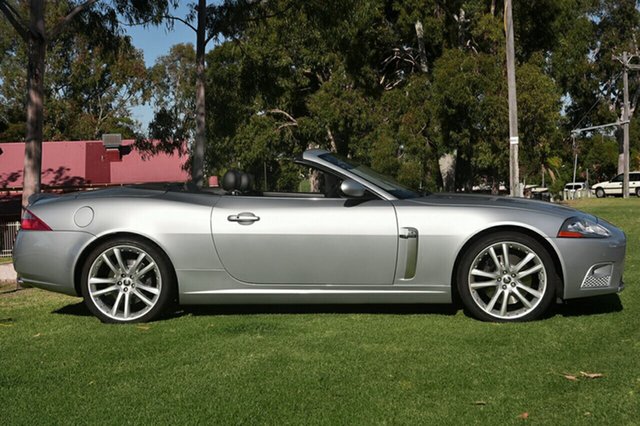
x: 124, y: 282
x: 507, y: 280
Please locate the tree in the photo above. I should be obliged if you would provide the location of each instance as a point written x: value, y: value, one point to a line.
x: 37, y: 36
x: 89, y: 88
x: 584, y: 66
x: 207, y: 22
x: 173, y: 79
x: 351, y: 77
x: 360, y: 79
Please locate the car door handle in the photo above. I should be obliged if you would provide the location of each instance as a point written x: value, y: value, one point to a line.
x: 244, y: 218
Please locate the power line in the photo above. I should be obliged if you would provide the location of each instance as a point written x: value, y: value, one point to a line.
x: 596, y: 102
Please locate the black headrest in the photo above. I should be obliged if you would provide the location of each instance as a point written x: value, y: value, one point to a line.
x: 246, y: 182
x: 235, y: 180
x: 231, y: 180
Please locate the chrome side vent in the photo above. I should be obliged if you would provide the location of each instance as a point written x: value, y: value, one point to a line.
x: 599, y: 276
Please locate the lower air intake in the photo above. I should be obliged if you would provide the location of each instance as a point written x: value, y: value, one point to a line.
x: 599, y: 276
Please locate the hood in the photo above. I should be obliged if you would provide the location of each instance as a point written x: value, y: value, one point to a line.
x: 498, y: 202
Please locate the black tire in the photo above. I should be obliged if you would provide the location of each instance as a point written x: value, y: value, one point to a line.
x: 137, y: 288
x: 502, y: 295
x: 600, y: 193
x: 638, y: 192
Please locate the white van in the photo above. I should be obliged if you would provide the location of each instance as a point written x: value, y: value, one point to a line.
x: 614, y: 186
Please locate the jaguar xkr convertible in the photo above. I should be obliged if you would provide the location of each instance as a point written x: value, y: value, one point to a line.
x: 348, y: 235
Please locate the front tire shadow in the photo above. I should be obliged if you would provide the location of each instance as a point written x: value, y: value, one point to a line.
x: 77, y: 309
x: 595, y: 305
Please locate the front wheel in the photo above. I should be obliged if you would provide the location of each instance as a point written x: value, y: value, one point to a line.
x: 506, y: 277
x: 600, y: 193
x: 127, y: 280
x: 638, y: 191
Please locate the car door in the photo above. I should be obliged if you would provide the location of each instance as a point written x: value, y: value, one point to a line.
x: 634, y: 182
x: 614, y: 187
x: 290, y: 240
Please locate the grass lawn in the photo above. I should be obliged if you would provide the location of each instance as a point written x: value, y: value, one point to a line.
x: 327, y: 365
x: 4, y: 260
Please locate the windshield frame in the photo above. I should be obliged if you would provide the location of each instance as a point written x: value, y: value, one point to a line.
x: 372, y: 177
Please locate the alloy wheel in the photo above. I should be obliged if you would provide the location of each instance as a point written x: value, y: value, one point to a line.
x: 507, y: 280
x: 124, y: 282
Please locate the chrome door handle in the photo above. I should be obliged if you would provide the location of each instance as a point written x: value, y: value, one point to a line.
x: 244, y: 218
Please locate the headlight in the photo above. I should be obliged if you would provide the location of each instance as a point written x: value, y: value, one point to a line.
x: 580, y: 227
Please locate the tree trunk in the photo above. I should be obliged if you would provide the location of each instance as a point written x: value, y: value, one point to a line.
x: 35, y: 102
x: 197, y: 170
x: 315, y: 181
x: 447, y: 164
x: 332, y: 140
x: 421, y: 49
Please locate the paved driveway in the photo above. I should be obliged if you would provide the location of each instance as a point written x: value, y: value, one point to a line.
x: 7, y: 273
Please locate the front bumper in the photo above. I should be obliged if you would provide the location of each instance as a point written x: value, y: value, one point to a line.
x: 592, y: 266
x: 46, y: 259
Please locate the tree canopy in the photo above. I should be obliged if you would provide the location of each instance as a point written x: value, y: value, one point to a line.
x: 399, y: 85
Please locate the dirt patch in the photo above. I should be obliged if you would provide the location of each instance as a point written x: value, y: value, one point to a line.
x: 7, y: 286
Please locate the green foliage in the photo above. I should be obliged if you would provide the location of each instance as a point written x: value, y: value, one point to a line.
x: 600, y: 158
x: 94, y: 76
x: 350, y: 77
x: 353, y: 77
x: 173, y: 78
x: 539, y: 120
x: 586, y: 70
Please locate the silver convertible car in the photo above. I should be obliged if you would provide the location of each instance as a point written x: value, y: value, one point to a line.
x: 348, y: 235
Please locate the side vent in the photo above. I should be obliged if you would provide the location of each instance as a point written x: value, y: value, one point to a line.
x: 407, y: 254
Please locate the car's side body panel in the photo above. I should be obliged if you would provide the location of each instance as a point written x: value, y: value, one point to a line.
x: 443, y: 231
x: 57, y: 253
x: 178, y: 223
x: 307, y: 241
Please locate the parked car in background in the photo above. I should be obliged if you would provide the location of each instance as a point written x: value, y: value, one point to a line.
x: 574, y: 186
x: 574, y: 190
x: 614, y: 186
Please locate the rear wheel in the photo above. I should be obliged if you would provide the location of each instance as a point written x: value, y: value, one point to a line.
x: 507, y: 277
x: 638, y: 191
x: 600, y: 193
x: 126, y: 280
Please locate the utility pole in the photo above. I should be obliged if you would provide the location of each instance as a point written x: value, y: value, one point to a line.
x: 514, y: 172
x: 576, y: 132
x: 626, y: 116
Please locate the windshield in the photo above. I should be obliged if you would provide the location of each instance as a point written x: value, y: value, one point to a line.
x: 386, y: 183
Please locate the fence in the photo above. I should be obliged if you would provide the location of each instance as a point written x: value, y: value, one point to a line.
x: 8, y: 232
x: 573, y: 194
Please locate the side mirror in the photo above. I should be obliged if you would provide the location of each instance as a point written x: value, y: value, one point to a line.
x: 352, y: 189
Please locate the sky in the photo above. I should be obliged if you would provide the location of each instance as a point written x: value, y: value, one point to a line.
x: 155, y: 42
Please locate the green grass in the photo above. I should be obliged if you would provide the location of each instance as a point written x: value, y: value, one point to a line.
x: 4, y: 260
x: 326, y: 365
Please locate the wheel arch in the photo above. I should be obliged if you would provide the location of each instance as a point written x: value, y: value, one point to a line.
x: 82, y: 258
x: 508, y: 228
